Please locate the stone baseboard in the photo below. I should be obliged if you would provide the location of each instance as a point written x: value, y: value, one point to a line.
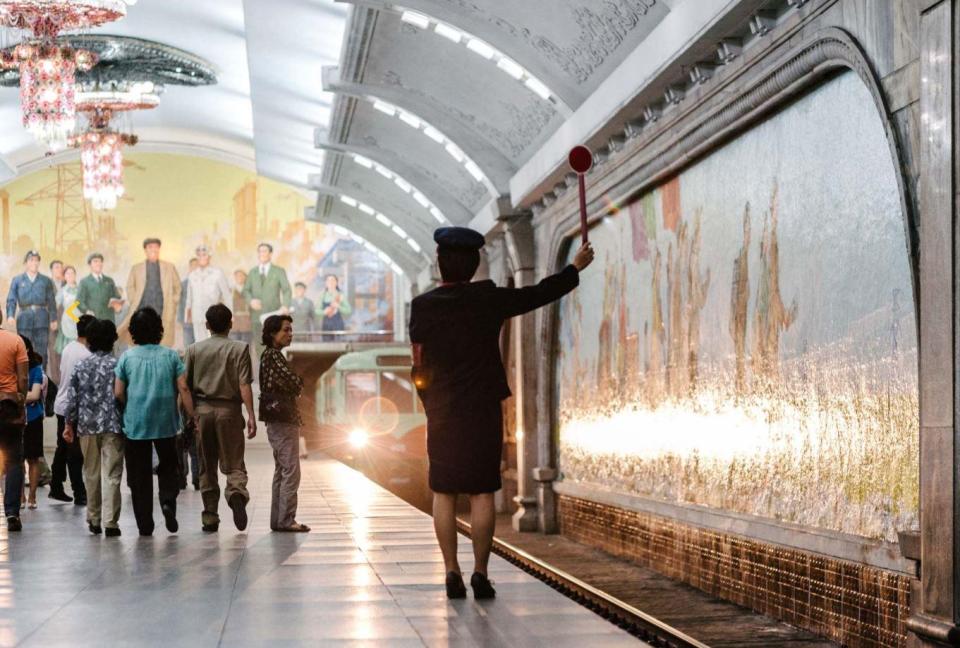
x: 853, y: 604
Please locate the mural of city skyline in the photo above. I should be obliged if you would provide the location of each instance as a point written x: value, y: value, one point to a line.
x: 185, y: 201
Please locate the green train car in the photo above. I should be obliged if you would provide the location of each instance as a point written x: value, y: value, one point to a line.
x: 371, y: 418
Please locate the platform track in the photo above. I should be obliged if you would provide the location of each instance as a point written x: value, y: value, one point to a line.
x: 625, y: 616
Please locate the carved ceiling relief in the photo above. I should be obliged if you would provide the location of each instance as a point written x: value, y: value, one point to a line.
x: 527, y: 121
x: 603, y: 28
x: 471, y: 195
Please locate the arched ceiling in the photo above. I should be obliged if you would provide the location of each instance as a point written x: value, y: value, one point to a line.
x: 423, y: 112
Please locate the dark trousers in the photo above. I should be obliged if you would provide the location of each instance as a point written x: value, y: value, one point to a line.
x: 139, y: 457
x: 68, y: 457
x: 11, y: 447
x: 189, y: 459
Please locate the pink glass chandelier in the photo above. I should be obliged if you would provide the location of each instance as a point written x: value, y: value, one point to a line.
x: 101, y: 156
x: 47, y: 69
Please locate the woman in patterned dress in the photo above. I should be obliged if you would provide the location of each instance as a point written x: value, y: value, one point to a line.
x: 279, y: 390
x: 93, y: 415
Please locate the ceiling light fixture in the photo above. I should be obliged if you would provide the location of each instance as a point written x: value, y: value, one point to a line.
x: 403, y: 185
x: 48, y: 69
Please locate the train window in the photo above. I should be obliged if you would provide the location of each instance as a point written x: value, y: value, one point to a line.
x: 329, y: 394
x: 361, y: 387
x: 394, y: 361
x: 398, y: 388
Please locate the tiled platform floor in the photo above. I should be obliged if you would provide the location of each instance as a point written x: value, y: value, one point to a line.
x: 368, y: 574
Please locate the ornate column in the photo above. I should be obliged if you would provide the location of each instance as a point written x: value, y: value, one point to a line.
x: 519, y: 239
x: 934, y: 608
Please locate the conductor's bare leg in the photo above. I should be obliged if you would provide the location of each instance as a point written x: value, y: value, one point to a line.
x: 483, y: 520
x: 445, y: 526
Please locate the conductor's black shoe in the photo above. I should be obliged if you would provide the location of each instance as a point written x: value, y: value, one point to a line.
x: 210, y: 528
x: 482, y: 587
x: 239, y: 508
x: 170, y: 517
x: 455, y: 587
x: 59, y: 495
x: 112, y: 532
x: 95, y: 529
x: 14, y: 523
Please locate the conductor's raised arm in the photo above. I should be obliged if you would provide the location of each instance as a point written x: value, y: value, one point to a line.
x: 517, y: 301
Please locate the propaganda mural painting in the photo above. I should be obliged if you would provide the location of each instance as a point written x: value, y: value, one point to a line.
x: 746, y: 340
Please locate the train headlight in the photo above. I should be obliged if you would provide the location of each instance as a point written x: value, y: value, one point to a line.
x: 358, y: 438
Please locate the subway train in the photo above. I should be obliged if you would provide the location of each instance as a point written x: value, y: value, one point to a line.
x: 371, y: 418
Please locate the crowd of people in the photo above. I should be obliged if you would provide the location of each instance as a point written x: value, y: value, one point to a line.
x: 127, y: 395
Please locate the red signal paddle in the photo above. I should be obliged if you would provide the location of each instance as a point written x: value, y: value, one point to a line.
x: 581, y: 160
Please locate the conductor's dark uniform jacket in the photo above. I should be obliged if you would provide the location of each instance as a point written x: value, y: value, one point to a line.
x: 460, y: 377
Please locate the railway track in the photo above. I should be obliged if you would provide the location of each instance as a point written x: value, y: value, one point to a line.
x: 630, y: 619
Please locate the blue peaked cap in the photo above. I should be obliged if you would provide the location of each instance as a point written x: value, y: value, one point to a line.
x: 458, y: 237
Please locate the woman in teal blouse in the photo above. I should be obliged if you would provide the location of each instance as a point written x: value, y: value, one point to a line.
x: 149, y: 378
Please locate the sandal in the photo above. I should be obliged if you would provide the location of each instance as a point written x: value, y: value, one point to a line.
x: 296, y: 527
x: 32, y: 506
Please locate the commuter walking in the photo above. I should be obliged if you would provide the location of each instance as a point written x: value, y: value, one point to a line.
x: 279, y: 390
x: 148, y: 379
x: 33, y: 433
x: 14, y: 378
x: 68, y: 457
x: 455, y: 331
x: 93, y: 421
x: 97, y: 293
x: 219, y: 375
x: 32, y: 304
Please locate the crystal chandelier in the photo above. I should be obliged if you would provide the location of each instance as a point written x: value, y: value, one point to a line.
x: 101, y: 154
x: 47, y: 69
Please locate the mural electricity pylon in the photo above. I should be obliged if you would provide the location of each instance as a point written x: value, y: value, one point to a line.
x: 74, y: 225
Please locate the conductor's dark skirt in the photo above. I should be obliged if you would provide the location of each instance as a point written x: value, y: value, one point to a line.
x: 465, y: 449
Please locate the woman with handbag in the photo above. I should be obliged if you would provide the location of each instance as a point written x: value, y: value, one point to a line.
x: 279, y: 390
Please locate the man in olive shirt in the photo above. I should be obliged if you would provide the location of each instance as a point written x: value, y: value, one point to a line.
x: 219, y: 375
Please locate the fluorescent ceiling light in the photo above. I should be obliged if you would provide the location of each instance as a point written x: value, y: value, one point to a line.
x: 362, y: 161
x: 414, y: 18
x: 433, y: 134
x: 414, y: 245
x: 384, y: 258
x: 481, y: 48
x: 454, y: 152
x: 342, y: 231
x: 385, y: 172
x: 420, y: 198
x: 396, y: 269
x: 384, y: 220
x: 399, y: 231
x: 537, y: 87
x: 409, y: 119
x: 348, y: 200
x: 438, y: 215
x: 371, y: 247
x: 448, y: 32
x: 384, y: 107
x: 367, y: 209
x: 474, y: 170
x: 403, y: 184
x: 510, y: 67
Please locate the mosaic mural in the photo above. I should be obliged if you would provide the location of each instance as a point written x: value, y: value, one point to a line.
x: 748, y: 331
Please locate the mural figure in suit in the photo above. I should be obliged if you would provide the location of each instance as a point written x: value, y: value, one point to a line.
x: 156, y: 284
x: 267, y: 290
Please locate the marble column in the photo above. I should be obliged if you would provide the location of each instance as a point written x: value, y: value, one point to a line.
x: 934, y: 614
x: 519, y: 240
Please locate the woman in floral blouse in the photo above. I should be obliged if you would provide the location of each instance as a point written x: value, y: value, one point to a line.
x: 93, y: 414
x: 279, y: 390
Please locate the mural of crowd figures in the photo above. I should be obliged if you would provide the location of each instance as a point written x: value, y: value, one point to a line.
x: 187, y: 201
x: 749, y: 327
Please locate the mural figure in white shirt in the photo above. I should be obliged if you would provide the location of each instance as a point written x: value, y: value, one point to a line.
x: 207, y: 286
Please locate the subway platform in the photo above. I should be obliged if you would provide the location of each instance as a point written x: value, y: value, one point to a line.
x: 368, y: 574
